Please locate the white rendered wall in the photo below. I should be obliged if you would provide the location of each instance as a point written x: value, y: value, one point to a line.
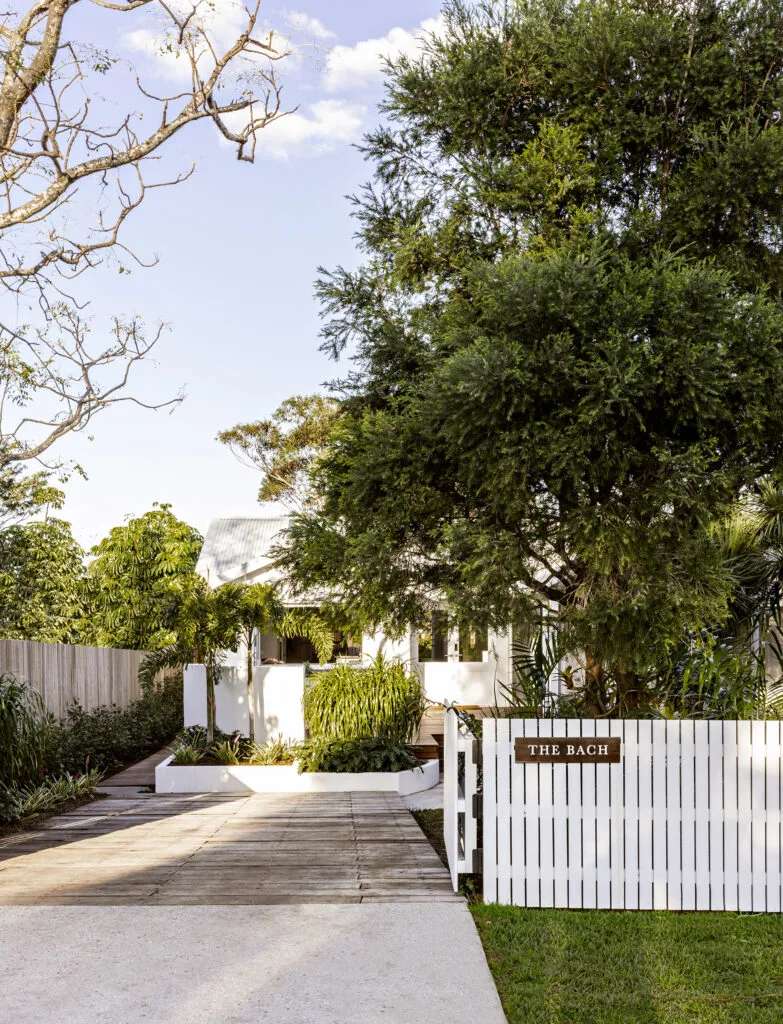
x: 277, y: 690
x: 393, y: 650
x: 460, y: 682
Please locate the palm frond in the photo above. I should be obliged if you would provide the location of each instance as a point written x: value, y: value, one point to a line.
x: 310, y: 626
x: 171, y: 656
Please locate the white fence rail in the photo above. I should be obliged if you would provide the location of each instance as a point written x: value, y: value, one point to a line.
x: 460, y: 786
x: 690, y: 819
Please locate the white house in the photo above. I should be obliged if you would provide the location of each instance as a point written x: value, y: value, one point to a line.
x: 465, y: 667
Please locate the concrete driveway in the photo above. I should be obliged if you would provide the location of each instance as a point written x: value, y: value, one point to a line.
x: 330, y: 909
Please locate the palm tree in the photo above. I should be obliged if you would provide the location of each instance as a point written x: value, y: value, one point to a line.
x: 260, y: 609
x: 205, y: 623
x: 208, y: 622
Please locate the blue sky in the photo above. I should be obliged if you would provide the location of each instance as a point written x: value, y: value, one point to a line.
x: 238, y: 247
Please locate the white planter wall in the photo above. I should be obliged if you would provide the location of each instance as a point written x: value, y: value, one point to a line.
x: 242, y: 778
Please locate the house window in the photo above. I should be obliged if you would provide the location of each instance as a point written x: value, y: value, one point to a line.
x: 473, y: 642
x: 433, y: 638
x: 346, y: 646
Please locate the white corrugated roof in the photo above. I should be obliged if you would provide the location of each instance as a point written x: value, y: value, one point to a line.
x: 235, y: 547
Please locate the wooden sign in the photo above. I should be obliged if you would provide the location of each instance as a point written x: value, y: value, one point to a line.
x: 567, y: 750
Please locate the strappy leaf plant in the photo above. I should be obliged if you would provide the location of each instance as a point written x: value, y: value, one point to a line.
x: 383, y: 701
x: 25, y: 728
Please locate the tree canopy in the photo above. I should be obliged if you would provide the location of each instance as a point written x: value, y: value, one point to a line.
x: 567, y: 330
x: 78, y: 120
x: 285, y: 446
x: 41, y: 575
x: 134, y: 574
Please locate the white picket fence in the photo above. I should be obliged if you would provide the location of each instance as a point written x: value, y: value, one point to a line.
x: 690, y: 819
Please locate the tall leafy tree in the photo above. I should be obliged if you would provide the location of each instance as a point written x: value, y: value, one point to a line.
x: 133, y: 576
x: 41, y: 574
x: 567, y: 330
x: 285, y: 447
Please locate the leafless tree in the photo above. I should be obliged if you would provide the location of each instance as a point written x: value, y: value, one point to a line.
x: 72, y: 171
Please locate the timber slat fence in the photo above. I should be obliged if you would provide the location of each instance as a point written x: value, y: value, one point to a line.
x: 690, y: 819
x: 63, y: 673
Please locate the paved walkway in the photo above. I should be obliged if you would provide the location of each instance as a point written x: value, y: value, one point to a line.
x: 138, y: 776
x: 341, y: 913
x: 212, y: 849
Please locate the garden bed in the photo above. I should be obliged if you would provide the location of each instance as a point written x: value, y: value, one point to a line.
x: 248, y: 778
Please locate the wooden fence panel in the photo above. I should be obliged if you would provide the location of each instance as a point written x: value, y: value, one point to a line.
x: 64, y: 673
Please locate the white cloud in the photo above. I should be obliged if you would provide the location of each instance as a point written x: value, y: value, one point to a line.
x: 326, y: 125
x: 352, y: 67
x: 303, y: 23
x: 222, y: 20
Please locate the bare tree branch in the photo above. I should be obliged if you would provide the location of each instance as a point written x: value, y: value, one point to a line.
x: 60, y: 139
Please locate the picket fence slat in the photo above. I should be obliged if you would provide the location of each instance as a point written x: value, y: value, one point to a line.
x: 773, y: 849
x: 575, y: 872
x: 589, y: 825
x: 526, y: 727
x: 690, y: 819
x: 504, y: 757
x: 560, y: 824
x: 687, y: 816
x: 489, y: 775
x: 744, y: 817
x: 471, y: 787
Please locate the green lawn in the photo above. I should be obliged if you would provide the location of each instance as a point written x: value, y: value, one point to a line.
x: 603, y: 967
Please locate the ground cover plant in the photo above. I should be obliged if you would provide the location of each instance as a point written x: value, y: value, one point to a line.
x: 641, y: 967
x: 52, y: 792
x: 383, y: 700
x: 191, y: 748
x: 360, y: 754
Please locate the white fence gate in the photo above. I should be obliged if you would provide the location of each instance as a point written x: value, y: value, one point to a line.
x: 690, y: 819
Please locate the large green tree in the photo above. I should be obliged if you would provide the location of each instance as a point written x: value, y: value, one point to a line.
x: 285, y: 447
x: 133, y: 576
x: 567, y: 330
x: 41, y: 574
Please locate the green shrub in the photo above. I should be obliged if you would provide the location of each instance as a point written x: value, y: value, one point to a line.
x: 355, y: 755
x: 227, y: 752
x: 383, y: 701
x: 9, y: 805
x: 26, y: 730
x: 187, y: 754
x: 108, y: 737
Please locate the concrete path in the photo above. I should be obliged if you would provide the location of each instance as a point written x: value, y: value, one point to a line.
x: 340, y: 913
x: 306, y: 964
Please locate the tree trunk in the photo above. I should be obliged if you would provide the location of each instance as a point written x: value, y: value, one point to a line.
x: 251, y: 711
x: 210, y: 704
x: 594, y: 688
x: 629, y: 691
